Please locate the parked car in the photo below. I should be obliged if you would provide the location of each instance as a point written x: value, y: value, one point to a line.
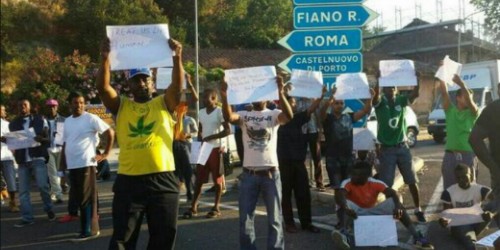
x: 411, y: 123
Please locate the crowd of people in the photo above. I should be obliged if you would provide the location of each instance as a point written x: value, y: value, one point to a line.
x: 154, y: 134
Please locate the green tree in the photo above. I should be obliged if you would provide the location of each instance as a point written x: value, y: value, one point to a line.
x: 84, y: 24
x: 492, y: 12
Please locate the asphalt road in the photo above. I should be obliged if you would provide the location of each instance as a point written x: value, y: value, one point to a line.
x: 222, y: 233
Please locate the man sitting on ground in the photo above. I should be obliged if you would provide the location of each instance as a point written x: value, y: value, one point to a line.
x: 465, y: 194
x: 358, y: 196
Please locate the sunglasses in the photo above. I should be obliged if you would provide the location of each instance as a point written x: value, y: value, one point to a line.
x: 339, y: 103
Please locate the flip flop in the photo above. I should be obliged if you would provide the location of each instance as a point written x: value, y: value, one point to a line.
x: 213, y: 214
x: 189, y: 214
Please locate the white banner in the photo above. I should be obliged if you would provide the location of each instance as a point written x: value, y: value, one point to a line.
x: 139, y: 46
x: 363, y: 139
x: 463, y: 216
x: 447, y: 70
x: 397, y: 73
x: 352, y: 86
x: 21, y: 139
x: 253, y: 84
x: 379, y: 230
x: 200, y: 152
x: 306, y: 83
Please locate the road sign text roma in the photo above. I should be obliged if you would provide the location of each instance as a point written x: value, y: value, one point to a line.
x: 322, y: 40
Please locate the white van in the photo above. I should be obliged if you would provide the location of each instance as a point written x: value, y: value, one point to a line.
x: 482, y: 78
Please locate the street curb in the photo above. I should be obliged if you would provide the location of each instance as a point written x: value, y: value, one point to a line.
x: 328, y: 198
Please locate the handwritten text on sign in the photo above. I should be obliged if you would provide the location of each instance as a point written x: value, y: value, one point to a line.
x: 139, y: 46
x: 253, y: 84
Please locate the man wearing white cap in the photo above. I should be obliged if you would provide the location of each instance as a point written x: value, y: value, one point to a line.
x: 146, y: 183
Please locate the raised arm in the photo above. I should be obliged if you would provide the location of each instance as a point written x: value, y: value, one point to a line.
x: 324, y: 108
x: 107, y: 94
x: 367, y: 108
x: 376, y: 96
x: 192, y: 88
x: 286, y: 111
x: 465, y: 92
x: 316, y: 102
x: 445, y: 97
x: 227, y: 111
x: 172, y: 94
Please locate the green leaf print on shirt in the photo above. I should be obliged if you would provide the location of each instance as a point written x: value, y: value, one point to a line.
x: 140, y: 129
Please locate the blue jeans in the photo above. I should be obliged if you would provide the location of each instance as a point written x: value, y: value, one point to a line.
x: 9, y: 174
x: 250, y: 186
x: 39, y: 169
x: 397, y: 156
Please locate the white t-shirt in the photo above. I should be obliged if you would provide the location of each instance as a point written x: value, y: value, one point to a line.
x: 458, y: 197
x: 6, y: 153
x: 190, y: 127
x: 81, y: 139
x: 260, y: 136
x: 211, y: 124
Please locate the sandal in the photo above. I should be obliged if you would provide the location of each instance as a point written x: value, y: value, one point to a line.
x: 213, y: 213
x: 189, y: 214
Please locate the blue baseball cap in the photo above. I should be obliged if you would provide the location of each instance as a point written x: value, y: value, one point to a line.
x: 141, y: 71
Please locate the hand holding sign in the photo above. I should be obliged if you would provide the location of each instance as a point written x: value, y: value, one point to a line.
x: 139, y: 46
x: 253, y: 84
x: 447, y: 70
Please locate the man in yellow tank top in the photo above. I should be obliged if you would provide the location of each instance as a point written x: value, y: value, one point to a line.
x: 145, y: 131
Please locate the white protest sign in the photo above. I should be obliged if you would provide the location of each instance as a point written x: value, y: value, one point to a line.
x: 139, y: 46
x: 379, y: 230
x: 447, y: 70
x: 21, y: 139
x: 489, y: 240
x: 352, y: 86
x: 255, y: 84
x: 200, y: 152
x: 463, y: 216
x: 164, y: 78
x: 397, y: 73
x: 58, y: 139
x: 363, y: 139
x: 306, y: 83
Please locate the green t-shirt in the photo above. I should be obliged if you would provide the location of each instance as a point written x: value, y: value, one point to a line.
x: 459, y: 123
x: 391, y: 120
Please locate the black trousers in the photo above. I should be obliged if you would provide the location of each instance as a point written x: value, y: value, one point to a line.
x: 294, y: 179
x: 129, y: 208
x: 183, y: 169
x: 83, y: 193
